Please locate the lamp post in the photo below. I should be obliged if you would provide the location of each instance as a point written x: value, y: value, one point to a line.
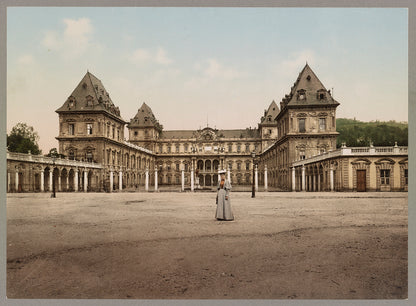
x: 253, y: 191
x: 53, y: 178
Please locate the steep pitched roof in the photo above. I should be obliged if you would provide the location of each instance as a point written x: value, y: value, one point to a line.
x: 308, y: 90
x: 145, y: 118
x: 270, y: 114
x: 90, y: 94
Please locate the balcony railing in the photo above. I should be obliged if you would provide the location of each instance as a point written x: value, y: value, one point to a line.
x: 50, y: 160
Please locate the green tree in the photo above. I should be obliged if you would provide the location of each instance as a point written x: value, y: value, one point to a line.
x: 22, y: 139
x: 54, y: 153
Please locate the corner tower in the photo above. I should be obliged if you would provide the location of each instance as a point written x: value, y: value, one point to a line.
x: 88, y: 120
x: 144, y: 128
x: 268, y: 126
x: 306, y: 123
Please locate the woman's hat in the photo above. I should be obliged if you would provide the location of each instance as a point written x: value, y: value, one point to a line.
x: 222, y: 171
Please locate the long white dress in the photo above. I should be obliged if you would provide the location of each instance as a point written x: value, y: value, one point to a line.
x: 223, y: 206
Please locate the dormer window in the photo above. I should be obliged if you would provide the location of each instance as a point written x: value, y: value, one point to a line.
x: 71, y: 102
x: 308, y: 77
x: 321, y: 94
x: 84, y: 85
x: 301, y: 94
x: 89, y: 101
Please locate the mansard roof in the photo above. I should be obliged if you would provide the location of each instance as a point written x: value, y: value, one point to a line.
x: 145, y: 118
x: 271, y: 113
x: 90, y: 95
x: 195, y: 134
x: 308, y: 90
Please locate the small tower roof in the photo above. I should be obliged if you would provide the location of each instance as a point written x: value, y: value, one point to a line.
x: 270, y: 114
x: 308, y: 85
x: 90, y: 94
x: 145, y: 118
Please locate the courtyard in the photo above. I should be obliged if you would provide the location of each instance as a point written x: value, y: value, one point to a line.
x: 167, y: 245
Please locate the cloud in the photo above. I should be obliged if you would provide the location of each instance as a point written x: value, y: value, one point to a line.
x: 212, y: 68
x: 297, y: 60
x: 158, y: 56
x: 74, y: 40
x: 26, y: 59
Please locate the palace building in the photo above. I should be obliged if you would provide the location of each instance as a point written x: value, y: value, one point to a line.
x: 289, y: 136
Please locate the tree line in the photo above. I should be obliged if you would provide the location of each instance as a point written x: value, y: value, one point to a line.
x: 355, y: 133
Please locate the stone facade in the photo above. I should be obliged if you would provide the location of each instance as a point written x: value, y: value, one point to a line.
x: 91, y: 131
x: 353, y: 169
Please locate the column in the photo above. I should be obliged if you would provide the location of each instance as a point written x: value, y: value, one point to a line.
x: 42, y: 180
x: 331, y: 178
x: 120, y: 180
x: 192, y: 177
x: 319, y: 182
x: 156, y: 179
x: 50, y: 180
x: 8, y: 182
x: 265, y: 177
x: 59, y: 182
x: 76, y: 180
x: 85, y: 180
x: 310, y: 187
x: 229, y: 174
x: 16, y: 182
x: 111, y: 181
x: 314, y: 182
x: 183, y: 180
x: 67, y: 181
x: 147, y: 180
x: 256, y: 179
x: 293, y: 179
x: 303, y: 178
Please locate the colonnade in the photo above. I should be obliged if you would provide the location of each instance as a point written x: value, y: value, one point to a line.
x: 312, y: 179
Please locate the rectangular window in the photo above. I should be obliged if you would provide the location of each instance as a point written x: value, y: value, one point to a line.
x: 114, y: 134
x: 322, y: 124
x: 186, y: 167
x: 247, y: 148
x: 108, y: 131
x: 89, y: 129
x: 168, y: 149
x: 118, y: 134
x: 302, y: 155
x: 302, y: 125
x: 247, y: 166
x: 405, y: 176
x: 160, y: 149
x: 177, y: 167
x: 186, y: 148
x: 385, y: 177
x: 230, y: 148
x: 238, y: 148
x: 238, y: 166
x: 89, y: 157
x: 71, y: 129
x: 177, y: 149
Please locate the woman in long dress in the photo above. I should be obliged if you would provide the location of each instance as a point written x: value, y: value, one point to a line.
x: 223, y: 199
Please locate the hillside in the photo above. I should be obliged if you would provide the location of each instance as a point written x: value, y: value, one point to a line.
x: 359, y: 134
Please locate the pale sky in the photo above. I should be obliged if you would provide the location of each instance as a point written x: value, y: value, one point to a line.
x: 193, y: 64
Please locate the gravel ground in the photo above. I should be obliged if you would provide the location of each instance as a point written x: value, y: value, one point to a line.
x: 169, y: 246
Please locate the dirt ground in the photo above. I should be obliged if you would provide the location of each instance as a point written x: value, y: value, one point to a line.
x: 169, y: 246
